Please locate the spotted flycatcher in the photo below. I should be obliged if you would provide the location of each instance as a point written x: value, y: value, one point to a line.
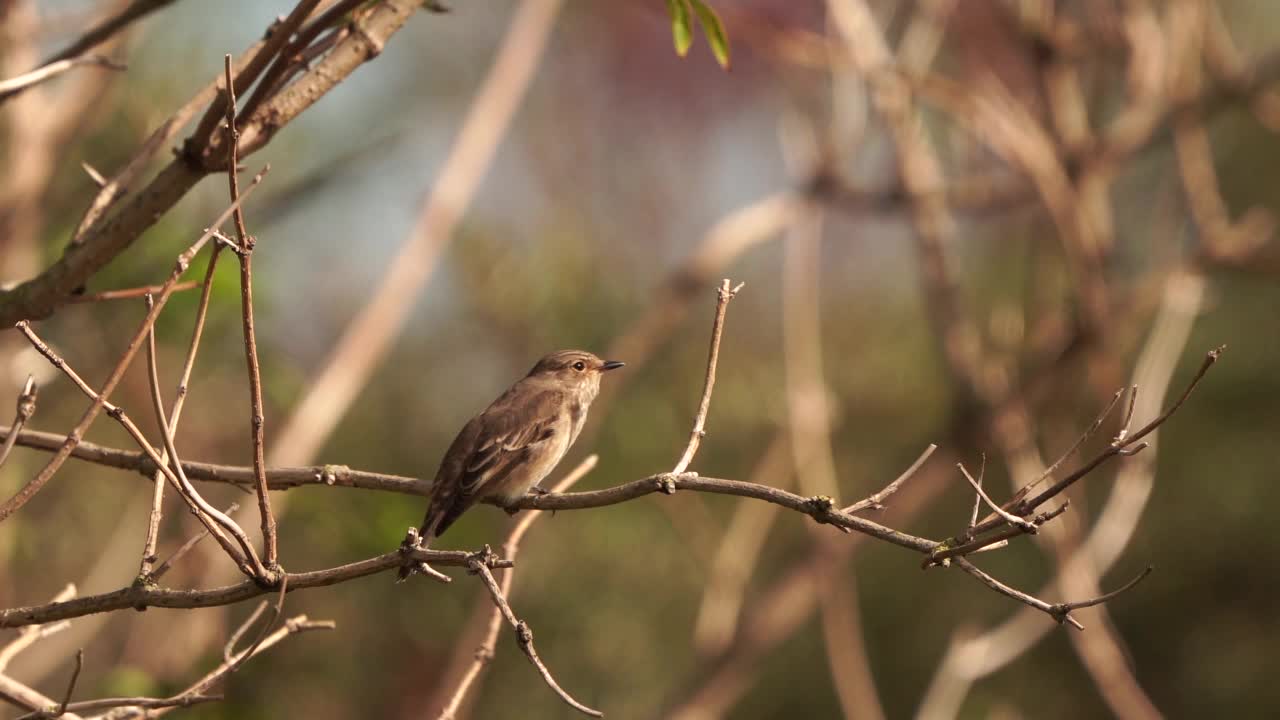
x: 508, y: 449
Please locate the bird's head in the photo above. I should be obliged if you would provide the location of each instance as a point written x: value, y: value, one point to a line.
x: 576, y: 369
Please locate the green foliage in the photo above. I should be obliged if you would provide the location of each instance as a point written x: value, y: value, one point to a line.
x: 712, y: 28
x: 681, y: 26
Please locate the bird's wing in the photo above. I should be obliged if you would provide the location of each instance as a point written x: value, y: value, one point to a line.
x: 488, y: 449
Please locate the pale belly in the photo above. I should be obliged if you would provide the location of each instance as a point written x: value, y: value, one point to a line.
x: 518, y: 483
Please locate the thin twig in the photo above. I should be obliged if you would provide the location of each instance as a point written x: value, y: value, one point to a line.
x: 31, y: 633
x: 1209, y: 359
x: 26, y: 407
x: 257, y: 420
x: 510, y: 548
x: 1064, y: 608
x: 97, y: 177
x: 109, y: 27
x: 15, y: 85
x: 157, y: 495
x: 198, y: 504
x: 228, y: 650
x: 295, y: 54
x: 237, y: 660
x: 131, y: 293
x: 1026, y: 525
x: 1128, y: 416
x: 175, y: 413
x: 724, y: 294
x: 29, y: 491
x: 961, y: 545
x: 257, y: 61
x: 977, y: 497
x: 524, y: 636
x: 162, y: 568
x: 27, y: 698
x: 71, y: 684
x: 141, y: 596
x: 197, y: 692
x: 129, y: 702
x: 876, y: 500
x: 116, y: 188
x: 1016, y: 594
x: 1079, y: 443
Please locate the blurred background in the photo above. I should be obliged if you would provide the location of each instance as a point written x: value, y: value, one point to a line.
x: 959, y: 223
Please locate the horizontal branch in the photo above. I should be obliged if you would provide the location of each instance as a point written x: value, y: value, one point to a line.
x: 277, y: 478
x: 144, y: 596
x: 819, y: 508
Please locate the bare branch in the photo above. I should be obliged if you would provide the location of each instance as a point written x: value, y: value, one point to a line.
x: 1084, y: 437
x: 145, y: 569
x: 876, y: 500
x: 525, y: 638
x: 130, y: 293
x: 142, y: 596
x: 257, y: 419
x: 71, y: 684
x: 26, y: 407
x: 15, y: 85
x: 1016, y: 594
x: 1061, y: 609
x: 73, y: 438
x: 186, y: 547
x: 107, y: 28
x: 31, y: 633
x: 1025, y: 525
x: 197, y: 692
x: 977, y: 499
x: 203, y: 510
x: 511, y: 548
x: 724, y: 294
x: 157, y: 495
x: 42, y: 295
x: 133, y: 702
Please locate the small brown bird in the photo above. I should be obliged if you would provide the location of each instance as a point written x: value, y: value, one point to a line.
x: 508, y: 449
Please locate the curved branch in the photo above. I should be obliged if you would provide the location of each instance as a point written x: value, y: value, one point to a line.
x: 141, y: 597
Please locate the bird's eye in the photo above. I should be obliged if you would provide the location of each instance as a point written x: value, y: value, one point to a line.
x: 579, y: 366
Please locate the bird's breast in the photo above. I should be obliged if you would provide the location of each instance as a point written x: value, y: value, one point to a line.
x: 540, y: 459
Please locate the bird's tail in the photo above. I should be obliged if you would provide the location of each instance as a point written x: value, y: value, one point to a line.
x: 442, y: 510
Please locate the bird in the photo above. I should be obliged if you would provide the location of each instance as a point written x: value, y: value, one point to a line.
x: 505, y: 451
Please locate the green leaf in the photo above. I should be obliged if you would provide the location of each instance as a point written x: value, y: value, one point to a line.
x: 714, y: 30
x: 681, y: 26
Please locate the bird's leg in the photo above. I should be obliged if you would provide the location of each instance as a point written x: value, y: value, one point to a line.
x: 537, y: 491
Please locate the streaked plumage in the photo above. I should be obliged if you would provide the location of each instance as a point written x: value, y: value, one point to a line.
x: 505, y: 451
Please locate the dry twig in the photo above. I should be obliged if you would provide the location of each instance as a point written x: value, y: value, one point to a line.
x: 510, y: 548
x: 91, y: 413
x: 724, y: 294
x: 244, y: 251
x: 26, y: 407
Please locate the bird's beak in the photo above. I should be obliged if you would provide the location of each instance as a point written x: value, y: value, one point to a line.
x: 612, y: 365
